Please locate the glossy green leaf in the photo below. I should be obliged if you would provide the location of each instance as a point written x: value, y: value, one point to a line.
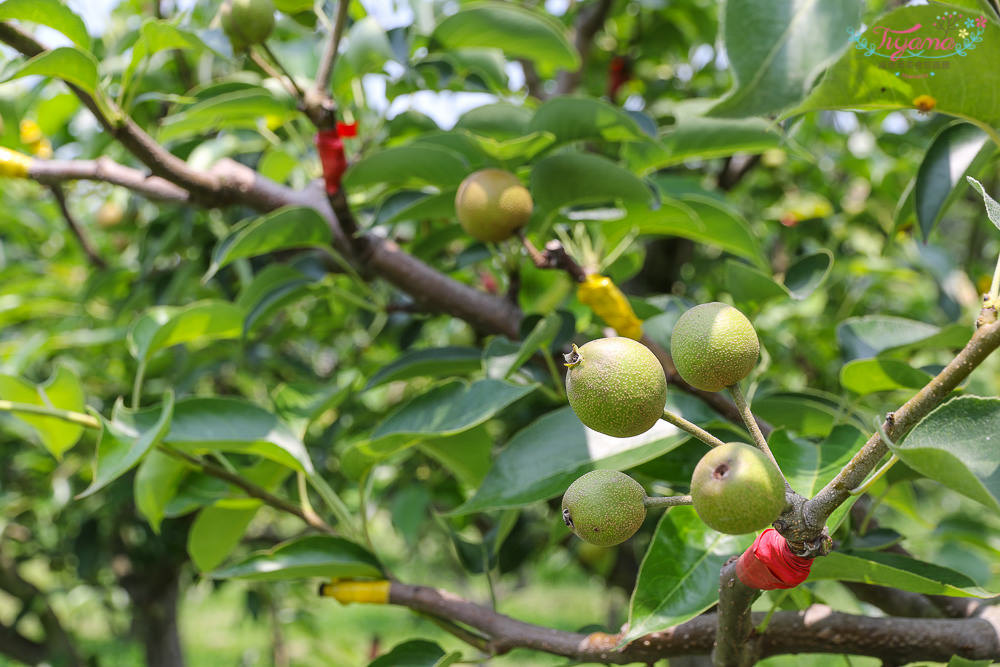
x: 576, y: 118
x: 121, y: 446
x: 867, y: 78
x: 52, y: 13
x: 517, y: 31
x: 201, y: 425
x: 416, y: 653
x: 808, y: 466
x: 992, y: 207
x: 576, y: 178
x: 420, y: 163
x: 895, y: 571
x: 955, y: 446
x: 701, y: 138
x: 368, y: 47
x: 541, y: 335
x: 214, y: 534
x: 544, y: 458
x: 431, y: 362
x: 312, y: 556
x: 467, y: 455
x: 957, y: 150
x: 67, y: 63
x: 519, y: 149
x: 694, y: 217
x: 200, y: 322
x: 679, y: 576
x: 867, y: 376
x: 777, y: 47
x: 269, y: 291
x: 870, y: 335
x: 749, y: 284
x: 61, y: 391
x: 807, y: 273
x: 801, y: 413
x: 501, y: 120
x: 157, y: 481
x: 156, y: 36
x: 243, y: 108
x: 299, y: 404
x: 288, y: 227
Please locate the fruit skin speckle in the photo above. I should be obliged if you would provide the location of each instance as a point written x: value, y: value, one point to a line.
x: 735, y: 489
x: 492, y: 204
x: 713, y: 346
x: 616, y: 386
x: 604, y: 507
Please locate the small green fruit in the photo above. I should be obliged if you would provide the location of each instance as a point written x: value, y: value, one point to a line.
x: 736, y: 489
x: 492, y: 204
x: 247, y: 22
x: 616, y: 386
x: 714, y: 346
x: 604, y: 507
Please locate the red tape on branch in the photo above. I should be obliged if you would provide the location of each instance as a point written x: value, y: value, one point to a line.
x: 769, y: 563
x: 331, y: 155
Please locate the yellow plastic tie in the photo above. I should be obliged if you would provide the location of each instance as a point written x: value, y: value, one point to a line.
x: 346, y: 592
x: 608, y: 303
x: 14, y: 164
x: 30, y: 132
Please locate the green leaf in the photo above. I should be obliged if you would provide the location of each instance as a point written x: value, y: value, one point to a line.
x: 420, y: 163
x: 544, y: 458
x: 215, y: 533
x: 273, y: 288
x: 867, y: 376
x: 515, y: 30
x: 577, y: 118
x: 679, y: 576
x: 501, y: 120
x: 541, y: 335
x: 287, y: 227
x: 201, y: 425
x: 302, y: 403
x: 575, y: 178
x: 871, y: 335
x: 467, y: 455
x: 431, y: 362
x: 156, y: 36
x: 199, y: 322
x: 992, y: 207
x: 416, y: 653
x: 954, y: 445
x: 519, y: 149
x: 809, y: 466
x: 702, y: 138
x: 52, y: 13
x: 804, y: 414
x: 121, y: 446
x: 243, y: 108
x: 695, y: 217
x: 61, y: 391
x: 895, y: 571
x: 157, y: 481
x: 748, y: 284
x: 957, y: 150
x: 368, y: 47
x: 808, y: 273
x: 865, y: 77
x: 776, y: 48
x: 313, y: 556
x: 67, y: 63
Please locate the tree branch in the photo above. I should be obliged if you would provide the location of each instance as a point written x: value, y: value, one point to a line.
x: 815, y: 512
x: 329, y: 57
x: 81, y: 237
x: 735, y: 623
x: 105, y: 170
x: 817, y: 629
x: 588, y: 22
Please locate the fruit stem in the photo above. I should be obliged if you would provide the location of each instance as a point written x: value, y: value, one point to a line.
x: 666, y: 501
x: 693, y: 429
x: 758, y: 438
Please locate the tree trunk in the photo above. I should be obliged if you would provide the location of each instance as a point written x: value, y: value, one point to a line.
x: 155, y: 594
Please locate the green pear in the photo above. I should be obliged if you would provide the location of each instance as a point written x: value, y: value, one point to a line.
x: 247, y: 22
x: 713, y: 346
x: 604, y: 507
x: 736, y: 489
x: 491, y: 204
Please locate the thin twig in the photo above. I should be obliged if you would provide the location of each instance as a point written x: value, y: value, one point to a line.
x: 46, y: 411
x: 81, y: 236
x: 330, y: 49
x: 693, y: 429
x: 296, y: 91
x: 666, y: 501
x: 269, y: 69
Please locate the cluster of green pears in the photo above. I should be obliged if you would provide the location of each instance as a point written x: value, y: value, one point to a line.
x: 616, y: 386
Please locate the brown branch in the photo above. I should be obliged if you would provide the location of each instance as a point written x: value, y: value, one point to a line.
x: 814, y: 512
x: 588, y: 22
x: 252, y: 490
x: 81, y: 237
x: 735, y: 623
x: 329, y: 57
x: 54, y: 172
x: 817, y: 629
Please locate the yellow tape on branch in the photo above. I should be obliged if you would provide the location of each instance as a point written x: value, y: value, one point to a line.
x: 608, y: 303
x: 14, y: 164
x: 346, y: 592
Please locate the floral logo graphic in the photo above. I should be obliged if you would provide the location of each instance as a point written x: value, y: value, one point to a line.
x: 949, y: 34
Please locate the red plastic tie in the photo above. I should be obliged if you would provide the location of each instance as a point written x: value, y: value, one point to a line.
x: 347, y: 130
x: 331, y: 155
x: 769, y: 563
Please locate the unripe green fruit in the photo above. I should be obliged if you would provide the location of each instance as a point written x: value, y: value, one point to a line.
x: 604, y: 507
x: 492, y: 204
x: 736, y: 489
x: 714, y: 346
x: 247, y: 22
x: 616, y: 386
